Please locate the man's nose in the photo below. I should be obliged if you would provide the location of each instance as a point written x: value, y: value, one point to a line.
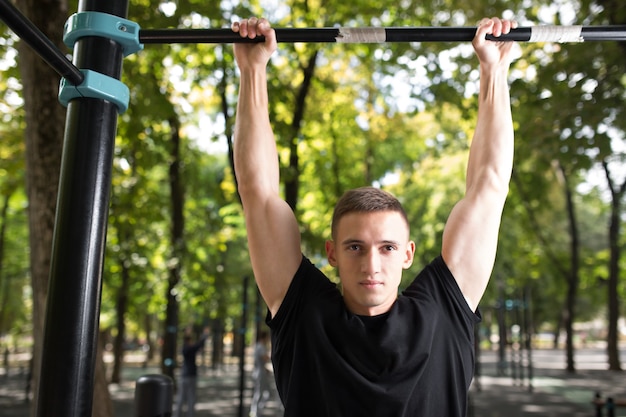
x: 371, y: 263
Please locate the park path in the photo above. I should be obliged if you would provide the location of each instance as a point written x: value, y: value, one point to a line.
x: 551, y: 392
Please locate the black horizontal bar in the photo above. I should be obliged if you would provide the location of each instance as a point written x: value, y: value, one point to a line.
x: 285, y: 35
x: 39, y: 42
x: 393, y: 34
x: 604, y: 33
x: 449, y: 34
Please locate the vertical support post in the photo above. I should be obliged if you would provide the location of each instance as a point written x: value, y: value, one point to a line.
x: 242, y: 351
x: 529, y: 327
x: 73, y: 305
x: 502, y: 330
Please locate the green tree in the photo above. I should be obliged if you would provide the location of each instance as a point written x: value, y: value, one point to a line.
x: 580, y: 107
x: 44, y: 118
x: 398, y: 115
x: 14, y: 311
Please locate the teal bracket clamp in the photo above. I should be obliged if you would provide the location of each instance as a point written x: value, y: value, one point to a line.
x: 104, y: 25
x: 96, y: 85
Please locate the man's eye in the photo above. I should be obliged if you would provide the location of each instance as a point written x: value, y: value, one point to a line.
x: 390, y: 248
x: 354, y: 247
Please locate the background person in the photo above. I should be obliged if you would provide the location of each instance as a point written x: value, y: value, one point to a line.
x: 261, y: 375
x: 189, y: 374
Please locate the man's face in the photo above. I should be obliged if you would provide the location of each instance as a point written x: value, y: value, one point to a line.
x: 370, y: 251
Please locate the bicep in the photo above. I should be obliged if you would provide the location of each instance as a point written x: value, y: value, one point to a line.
x: 470, y: 241
x: 274, y: 246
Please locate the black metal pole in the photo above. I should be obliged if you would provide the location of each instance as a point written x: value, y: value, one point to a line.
x: 529, y: 326
x: 73, y: 305
x: 242, y: 351
x: 379, y: 35
x: 38, y: 41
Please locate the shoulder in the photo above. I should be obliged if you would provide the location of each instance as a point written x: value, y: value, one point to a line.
x: 437, y: 284
x: 310, y: 277
x: 309, y: 285
x: 436, y: 273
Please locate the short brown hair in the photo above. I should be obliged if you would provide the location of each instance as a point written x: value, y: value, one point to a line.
x: 365, y: 199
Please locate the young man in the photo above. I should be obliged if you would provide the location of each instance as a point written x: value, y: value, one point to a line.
x: 366, y: 351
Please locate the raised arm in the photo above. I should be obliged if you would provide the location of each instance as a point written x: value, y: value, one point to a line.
x: 273, y: 233
x: 471, y: 234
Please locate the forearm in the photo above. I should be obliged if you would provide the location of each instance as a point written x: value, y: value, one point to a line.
x: 271, y: 224
x: 491, y: 152
x: 255, y: 156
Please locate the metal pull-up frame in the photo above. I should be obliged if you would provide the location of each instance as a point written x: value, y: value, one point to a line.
x: 561, y: 34
x: 57, y: 60
x: 94, y: 97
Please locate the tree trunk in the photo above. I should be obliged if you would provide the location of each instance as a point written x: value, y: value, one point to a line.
x: 218, y: 327
x: 121, y: 306
x: 45, y: 124
x: 229, y: 121
x: 616, y: 13
x: 102, y: 404
x: 613, y: 333
x: 550, y: 253
x: 217, y: 351
x: 574, y: 271
x: 168, y: 352
x: 4, y: 280
x: 150, y: 344
x: 45, y: 120
x: 292, y: 179
x: 614, y: 247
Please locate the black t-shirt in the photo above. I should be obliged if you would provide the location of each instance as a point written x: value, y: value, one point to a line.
x: 415, y: 360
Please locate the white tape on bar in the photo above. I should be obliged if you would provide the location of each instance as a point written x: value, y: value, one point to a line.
x: 361, y: 35
x: 561, y: 34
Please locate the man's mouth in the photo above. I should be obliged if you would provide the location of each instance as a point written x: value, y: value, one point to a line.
x: 370, y: 283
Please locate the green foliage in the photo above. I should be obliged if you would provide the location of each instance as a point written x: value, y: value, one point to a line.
x: 15, y: 302
x: 400, y: 116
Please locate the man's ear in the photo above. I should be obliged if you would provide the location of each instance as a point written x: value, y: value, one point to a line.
x: 410, y: 253
x: 330, y: 253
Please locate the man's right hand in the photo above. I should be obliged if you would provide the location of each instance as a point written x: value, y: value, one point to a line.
x: 250, y: 55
